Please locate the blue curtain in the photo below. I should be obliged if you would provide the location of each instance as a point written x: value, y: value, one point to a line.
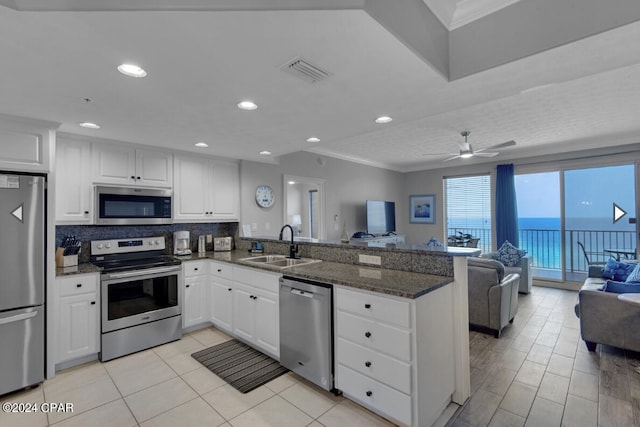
x: 506, y: 206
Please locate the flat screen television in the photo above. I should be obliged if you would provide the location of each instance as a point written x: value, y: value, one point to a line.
x: 381, y: 217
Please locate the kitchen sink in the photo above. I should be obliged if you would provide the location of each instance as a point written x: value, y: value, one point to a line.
x: 264, y: 258
x: 279, y: 261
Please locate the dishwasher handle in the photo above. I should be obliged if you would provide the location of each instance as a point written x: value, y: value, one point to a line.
x: 302, y: 293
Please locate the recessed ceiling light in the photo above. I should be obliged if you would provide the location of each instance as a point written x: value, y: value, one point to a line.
x: 90, y: 125
x: 265, y: 153
x: 202, y: 144
x: 247, y: 105
x: 383, y: 119
x: 313, y: 139
x: 132, y: 70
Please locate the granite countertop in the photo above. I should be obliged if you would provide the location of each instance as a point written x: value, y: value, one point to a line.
x: 391, y: 282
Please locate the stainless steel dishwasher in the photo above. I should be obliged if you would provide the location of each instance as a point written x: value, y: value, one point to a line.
x: 306, y: 329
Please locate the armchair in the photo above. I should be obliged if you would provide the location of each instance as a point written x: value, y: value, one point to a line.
x: 523, y: 269
x: 493, y: 296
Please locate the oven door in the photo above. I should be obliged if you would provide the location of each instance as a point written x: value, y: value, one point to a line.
x: 132, y: 298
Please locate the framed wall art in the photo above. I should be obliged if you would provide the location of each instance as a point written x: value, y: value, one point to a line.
x: 422, y: 209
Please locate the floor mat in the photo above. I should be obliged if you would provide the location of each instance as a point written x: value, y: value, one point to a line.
x: 240, y: 365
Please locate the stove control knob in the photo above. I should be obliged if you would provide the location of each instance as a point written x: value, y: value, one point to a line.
x: 157, y: 242
x: 108, y: 245
x: 100, y: 246
x: 150, y: 242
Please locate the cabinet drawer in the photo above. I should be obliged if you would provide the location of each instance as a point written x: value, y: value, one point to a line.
x: 378, y: 366
x: 259, y: 279
x: 195, y: 268
x: 380, y: 308
x: 221, y: 269
x: 385, y: 338
x: 77, y: 284
x: 375, y: 395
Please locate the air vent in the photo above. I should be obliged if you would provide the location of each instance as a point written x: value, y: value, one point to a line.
x: 305, y: 70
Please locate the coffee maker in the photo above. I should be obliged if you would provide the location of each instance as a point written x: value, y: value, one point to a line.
x: 181, y: 243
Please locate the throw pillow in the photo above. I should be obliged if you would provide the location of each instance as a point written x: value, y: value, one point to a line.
x: 509, y: 255
x: 621, y: 287
x: 634, y: 277
x: 618, y: 271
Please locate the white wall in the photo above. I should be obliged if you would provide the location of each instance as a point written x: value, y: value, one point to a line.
x: 347, y: 186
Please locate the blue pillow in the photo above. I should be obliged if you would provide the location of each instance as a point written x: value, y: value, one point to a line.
x: 509, y: 255
x: 618, y: 271
x: 634, y: 277
x: 622, y: 288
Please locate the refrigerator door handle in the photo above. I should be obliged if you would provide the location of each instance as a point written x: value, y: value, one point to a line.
x: 18, y: 317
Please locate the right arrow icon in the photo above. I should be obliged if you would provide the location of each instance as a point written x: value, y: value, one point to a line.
x: 618, y: 213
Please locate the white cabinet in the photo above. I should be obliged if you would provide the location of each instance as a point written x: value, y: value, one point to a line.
x: 77, y: 318
x: 73, y: 182
x: 221, y: 296
x: 256, y: 309
x: 393, y: 355
x: 206, y: 190
x: 194, y: 296
x: 124, y: 165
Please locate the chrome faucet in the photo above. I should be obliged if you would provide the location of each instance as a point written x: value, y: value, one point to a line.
x: 293, y: 248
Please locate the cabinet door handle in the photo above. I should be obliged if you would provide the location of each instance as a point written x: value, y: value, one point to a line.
x: 86, y: 212
x: 369, y: 393
x: 367, y: 306
x: 195, y: 269
x: 229, y: 289
x: 187, y: 286
x: 367, y: 364
x: 93, y: 303
x: 137, y: 177
x: 79, y: 285
x: 219, y: 270
x: 367, y: 334
x: 133, y: 177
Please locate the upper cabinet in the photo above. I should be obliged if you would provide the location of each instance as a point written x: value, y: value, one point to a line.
x: 206, y: 190
x: 73, y: 176
x: 26, y: 145
x: 124, y: 165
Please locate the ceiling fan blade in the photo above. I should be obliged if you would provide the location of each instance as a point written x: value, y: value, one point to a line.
x: 493, y: 147
x: 439, y: 154
x: 452, y: 158
x: 486, y: 154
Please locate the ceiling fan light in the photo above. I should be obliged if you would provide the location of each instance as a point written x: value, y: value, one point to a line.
x: 466, y: 155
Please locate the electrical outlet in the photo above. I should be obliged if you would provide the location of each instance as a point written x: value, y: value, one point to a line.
x: 369, y: 259
x: 209, y: 238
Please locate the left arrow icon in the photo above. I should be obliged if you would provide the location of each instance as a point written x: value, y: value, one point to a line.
x: 18, y: 212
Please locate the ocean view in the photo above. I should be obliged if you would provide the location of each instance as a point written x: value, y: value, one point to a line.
x: 540, y: 237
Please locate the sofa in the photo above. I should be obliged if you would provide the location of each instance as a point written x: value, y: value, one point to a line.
x: 493, y: 295
x: 603, y: 318
x: 523, y: 269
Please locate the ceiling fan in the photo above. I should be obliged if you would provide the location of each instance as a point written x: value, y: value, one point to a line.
x: 467, y: 151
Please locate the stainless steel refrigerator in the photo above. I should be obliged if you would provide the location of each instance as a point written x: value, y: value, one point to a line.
x: 22, y: 280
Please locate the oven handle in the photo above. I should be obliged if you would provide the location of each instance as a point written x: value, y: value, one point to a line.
x: 144, y: 272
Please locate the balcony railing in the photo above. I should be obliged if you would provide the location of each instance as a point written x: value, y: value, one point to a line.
x: 545, y: 246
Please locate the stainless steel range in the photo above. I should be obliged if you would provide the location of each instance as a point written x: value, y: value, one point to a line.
x: 140, y: 293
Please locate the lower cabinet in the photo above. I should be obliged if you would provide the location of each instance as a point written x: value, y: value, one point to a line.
x: 394, y: 355
x: 221, y: 303
x: 194, y: 296
x: 256, y: 317
x: 77, y: 322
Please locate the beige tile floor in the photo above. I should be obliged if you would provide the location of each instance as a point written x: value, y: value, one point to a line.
x: 538, y: 373
x: 165, y: 386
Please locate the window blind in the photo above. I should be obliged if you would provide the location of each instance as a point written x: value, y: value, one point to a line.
x: 468, y: 201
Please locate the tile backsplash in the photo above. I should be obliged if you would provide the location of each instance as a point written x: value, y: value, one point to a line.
x: 87, y: 233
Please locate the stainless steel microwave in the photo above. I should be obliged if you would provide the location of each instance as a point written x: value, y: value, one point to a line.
x: 132, y: 206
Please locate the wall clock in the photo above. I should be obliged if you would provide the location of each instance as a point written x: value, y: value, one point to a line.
x: 264, y: 196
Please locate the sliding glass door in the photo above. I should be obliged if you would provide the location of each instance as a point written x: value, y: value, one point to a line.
x: 571, y: 218
x: 599, y: 212
x: 539, y: 221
